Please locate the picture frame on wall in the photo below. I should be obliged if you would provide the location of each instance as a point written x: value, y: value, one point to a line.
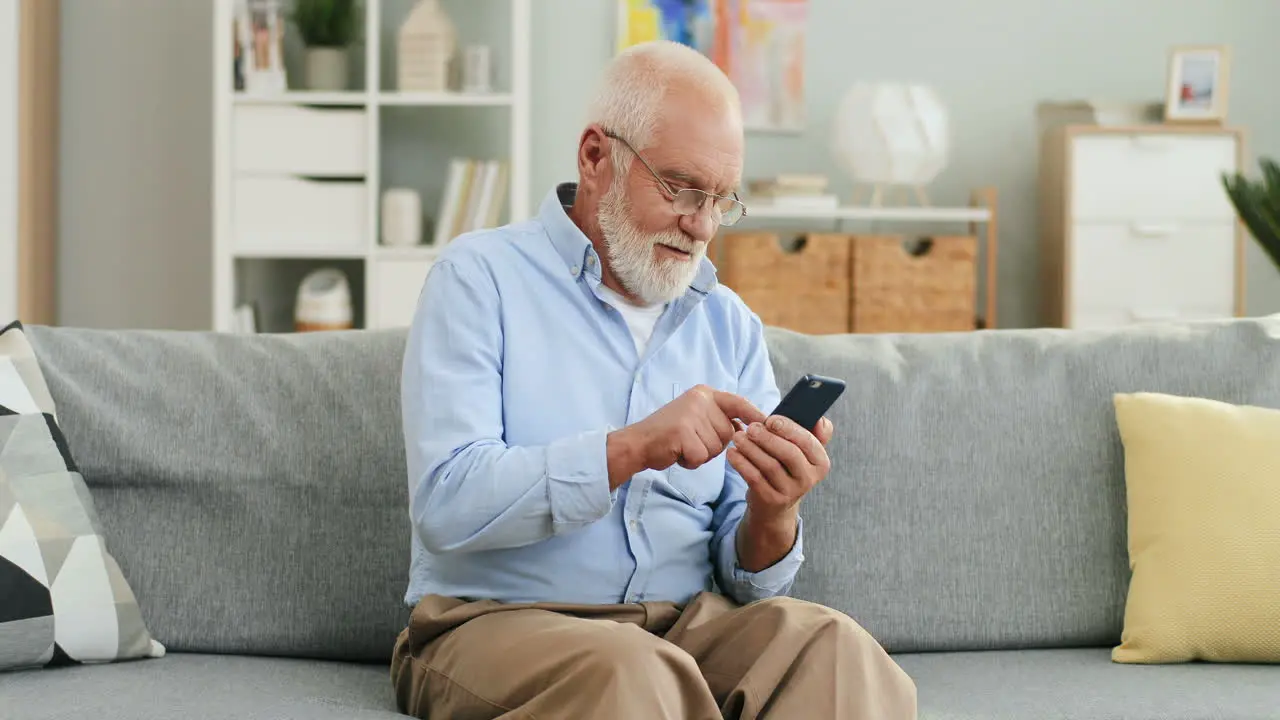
x: 1198, y: 84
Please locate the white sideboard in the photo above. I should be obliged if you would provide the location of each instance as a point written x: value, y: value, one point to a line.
x: 1136, y: 227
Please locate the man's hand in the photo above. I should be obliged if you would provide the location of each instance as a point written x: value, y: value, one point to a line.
x: 780, y: 462
x: 689, y: 431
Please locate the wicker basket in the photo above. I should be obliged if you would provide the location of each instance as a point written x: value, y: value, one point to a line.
x: 899, y: 288
x: 803, y: 286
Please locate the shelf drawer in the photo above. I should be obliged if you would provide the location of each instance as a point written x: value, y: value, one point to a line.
x: 1132, y: 273
x: 1153, y: 176
x: 301, y: 141
x: 397, y: 283
x: 297, y: 216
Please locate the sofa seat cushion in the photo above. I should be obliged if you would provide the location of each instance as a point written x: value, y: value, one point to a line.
x: 212, y: 687
x: 1084, y: 684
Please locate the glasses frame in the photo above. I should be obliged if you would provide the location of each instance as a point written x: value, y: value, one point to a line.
x: 673, y: 193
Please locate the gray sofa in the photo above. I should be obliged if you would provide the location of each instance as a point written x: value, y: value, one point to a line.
x: 253, y: 491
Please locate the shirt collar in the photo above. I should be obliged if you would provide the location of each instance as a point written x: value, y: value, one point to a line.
x: 575, y: 248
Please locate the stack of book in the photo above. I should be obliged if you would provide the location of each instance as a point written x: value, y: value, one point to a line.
x: 792, y: 191
x: 473, y: 196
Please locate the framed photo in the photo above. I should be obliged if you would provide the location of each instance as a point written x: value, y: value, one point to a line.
x: 1199, y: 78
x: 259, y: 49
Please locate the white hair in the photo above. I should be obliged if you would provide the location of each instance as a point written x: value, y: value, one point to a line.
x: 629, y: 98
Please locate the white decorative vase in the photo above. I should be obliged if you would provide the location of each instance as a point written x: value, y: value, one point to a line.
x: 324, y: 302
x: 401, y: 217
x: 326, y: 68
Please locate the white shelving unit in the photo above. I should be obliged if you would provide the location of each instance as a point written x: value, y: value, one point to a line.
x: 299, y: 176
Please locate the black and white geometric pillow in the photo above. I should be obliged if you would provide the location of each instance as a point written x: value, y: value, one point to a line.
x: 63, y: 598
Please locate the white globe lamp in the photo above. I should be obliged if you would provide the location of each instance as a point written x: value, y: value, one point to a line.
x: 891, y: 135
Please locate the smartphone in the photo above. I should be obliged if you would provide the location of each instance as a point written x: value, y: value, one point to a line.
x: 809, y: 399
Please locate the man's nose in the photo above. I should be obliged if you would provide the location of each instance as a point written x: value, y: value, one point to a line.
x: 700, y: 225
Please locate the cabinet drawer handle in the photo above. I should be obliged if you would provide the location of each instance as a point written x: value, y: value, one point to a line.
x: 1153, y: 229
x: 1152, y: 142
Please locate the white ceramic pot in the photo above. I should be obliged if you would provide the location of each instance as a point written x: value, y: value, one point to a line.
x: 326, y: 68
x: 401, y: 217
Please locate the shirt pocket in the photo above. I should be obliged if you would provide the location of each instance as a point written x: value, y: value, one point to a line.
x: 700, y: 486
x: 703, y: 484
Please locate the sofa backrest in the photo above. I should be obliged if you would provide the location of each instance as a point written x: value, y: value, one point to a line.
x: 253, y: 489
x: 978, y: 500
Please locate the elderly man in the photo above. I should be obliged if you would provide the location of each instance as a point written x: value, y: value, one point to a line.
x: 605, y: 521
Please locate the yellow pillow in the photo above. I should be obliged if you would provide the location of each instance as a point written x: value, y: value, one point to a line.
x: 1203, y: 486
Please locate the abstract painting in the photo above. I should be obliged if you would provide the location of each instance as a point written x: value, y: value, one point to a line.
x: 759, y: 44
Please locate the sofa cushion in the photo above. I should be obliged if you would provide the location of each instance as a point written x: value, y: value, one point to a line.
x: 63, y: 598
x: 1083, y: 684
x: 977, y: 497
x: 1203, y: 485
x: 252, y: 486
x: 992, y: 685
x: 210, y: 687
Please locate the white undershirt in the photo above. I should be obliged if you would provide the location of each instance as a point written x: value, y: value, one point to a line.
x: 640, y: 318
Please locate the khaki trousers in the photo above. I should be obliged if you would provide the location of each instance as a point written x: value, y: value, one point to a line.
x: 775, y: 658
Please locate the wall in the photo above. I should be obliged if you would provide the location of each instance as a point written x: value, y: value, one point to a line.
x: 135, y: 239
x: 137, y: 120
x: 991, y: 67
x: 8, y: 161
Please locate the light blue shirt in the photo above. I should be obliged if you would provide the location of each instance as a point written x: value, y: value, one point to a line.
x: 515, y: 371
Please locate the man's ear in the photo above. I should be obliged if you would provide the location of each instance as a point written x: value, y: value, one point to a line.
x: 594, y: 168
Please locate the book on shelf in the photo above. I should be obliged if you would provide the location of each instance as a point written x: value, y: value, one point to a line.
x: 792, y: 190
x: 473, y: 196
x: 791, y: 183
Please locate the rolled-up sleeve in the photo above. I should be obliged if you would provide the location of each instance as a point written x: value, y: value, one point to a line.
x: 578, y: 481
x: 777, y: 579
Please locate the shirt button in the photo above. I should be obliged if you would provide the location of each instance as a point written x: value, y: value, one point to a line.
x: 574, y: 271
x: 635, y: 524
x: 591, y: 260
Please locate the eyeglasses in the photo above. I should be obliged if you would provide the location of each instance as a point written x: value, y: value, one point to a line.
x: 687, y: 201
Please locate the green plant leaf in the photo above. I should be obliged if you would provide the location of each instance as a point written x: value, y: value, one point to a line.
x: 326, y: 23
x: 1257, y: 204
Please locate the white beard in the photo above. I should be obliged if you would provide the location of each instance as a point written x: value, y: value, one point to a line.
x: 631, y: 253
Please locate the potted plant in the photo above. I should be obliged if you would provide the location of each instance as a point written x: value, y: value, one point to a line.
x: 1257, y: 202
x: 328, y: 28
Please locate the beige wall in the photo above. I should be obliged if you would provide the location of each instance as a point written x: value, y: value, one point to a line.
x: 135, y: 237
x: 8, y: 161
x: 135, y: 151
x: 992, y: 61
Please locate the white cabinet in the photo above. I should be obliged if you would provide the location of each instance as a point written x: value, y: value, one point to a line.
x: 296, y: 140
x: 397, y: 283
x: 297, y: 216
x: 1135, y: 225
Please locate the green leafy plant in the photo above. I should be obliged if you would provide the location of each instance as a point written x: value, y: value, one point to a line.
x: 1257, y: 202
x: 325, y: 23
